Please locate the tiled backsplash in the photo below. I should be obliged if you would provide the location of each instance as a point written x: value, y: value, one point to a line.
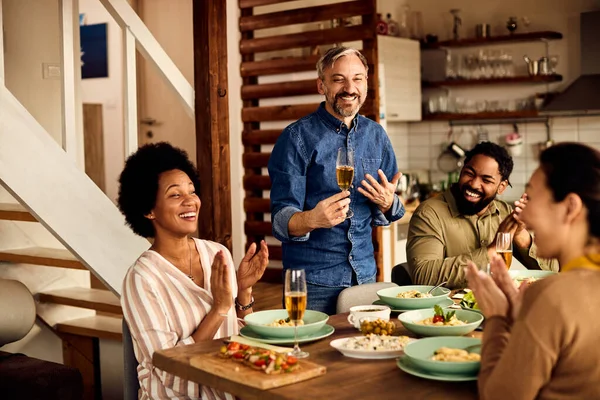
x: 417, y: 145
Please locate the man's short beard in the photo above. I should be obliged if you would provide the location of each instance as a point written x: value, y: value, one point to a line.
x: 466, y: 207
x: 346, y: 112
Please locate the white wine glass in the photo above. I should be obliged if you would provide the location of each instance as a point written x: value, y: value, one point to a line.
x: 344, y: 171
x: 295, y: 303
x: 504, y: 247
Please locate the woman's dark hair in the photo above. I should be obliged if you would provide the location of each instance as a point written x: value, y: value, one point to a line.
x: 138, y: 183
x: 575, y: 168
x: 498, y: 153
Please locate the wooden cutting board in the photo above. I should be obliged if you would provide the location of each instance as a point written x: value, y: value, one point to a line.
x: 237, y: 372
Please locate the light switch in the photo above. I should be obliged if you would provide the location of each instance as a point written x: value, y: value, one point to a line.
x: 51, y: 70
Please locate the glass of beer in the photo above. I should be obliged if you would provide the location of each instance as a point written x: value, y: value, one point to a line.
x: 344, y: 171
x: 504, y: 247
x: 295, y: 303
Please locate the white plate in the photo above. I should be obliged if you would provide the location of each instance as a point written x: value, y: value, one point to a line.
x: 338, y: 344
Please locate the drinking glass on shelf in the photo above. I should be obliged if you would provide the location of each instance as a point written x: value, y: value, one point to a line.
x: 295, y: 303
x: 504, y: 247
x: 344, y: 171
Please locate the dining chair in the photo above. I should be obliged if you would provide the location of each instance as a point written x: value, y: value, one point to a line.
x: 131, y: 384
x: 359, y: 295
x: 400, y: 275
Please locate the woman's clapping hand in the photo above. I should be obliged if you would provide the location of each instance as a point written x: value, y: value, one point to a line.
x: 253, y: 266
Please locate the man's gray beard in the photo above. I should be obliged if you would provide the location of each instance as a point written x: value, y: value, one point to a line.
x: 343, y: 112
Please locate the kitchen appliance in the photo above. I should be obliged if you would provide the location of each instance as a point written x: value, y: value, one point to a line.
x: 581, y: 97
x: 533, y: 67
x: 451, y: 159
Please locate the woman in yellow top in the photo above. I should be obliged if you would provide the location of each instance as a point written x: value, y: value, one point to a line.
x: 542, y: 342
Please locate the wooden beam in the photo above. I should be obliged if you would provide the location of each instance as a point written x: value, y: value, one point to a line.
x: 258, y: 228
x: 257, y: 182
x: 257, y: 205
x: 212, y: 119
x: 280, y: 89
x: 256, y: 3
x: 279, y: 66
x: 294, y: 112
x: 305, y: 15
x: 277, y: 113
x: 306, y: 39
x: 255, y: 160
x: 258, y: 137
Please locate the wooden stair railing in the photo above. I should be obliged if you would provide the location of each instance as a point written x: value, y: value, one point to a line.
x: 253, y: 45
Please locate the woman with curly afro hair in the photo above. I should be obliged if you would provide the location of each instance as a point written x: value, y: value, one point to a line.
x: 182, y: 289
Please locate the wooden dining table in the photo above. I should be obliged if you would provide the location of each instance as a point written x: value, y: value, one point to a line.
x: 345, y: 377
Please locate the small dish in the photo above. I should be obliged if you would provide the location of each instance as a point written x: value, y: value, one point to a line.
x: 338, y: 344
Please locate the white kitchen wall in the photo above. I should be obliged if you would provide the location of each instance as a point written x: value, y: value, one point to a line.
x: 425, y: 141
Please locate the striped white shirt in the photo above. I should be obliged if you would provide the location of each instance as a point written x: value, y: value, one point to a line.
x: 163, y: 307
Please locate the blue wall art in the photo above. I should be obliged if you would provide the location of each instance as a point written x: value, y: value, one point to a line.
x: 94, y: 54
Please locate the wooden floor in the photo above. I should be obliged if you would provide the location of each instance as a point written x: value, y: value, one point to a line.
x: 267, y: 296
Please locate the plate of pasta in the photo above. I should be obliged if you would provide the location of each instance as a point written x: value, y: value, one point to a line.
x: 371, y: 346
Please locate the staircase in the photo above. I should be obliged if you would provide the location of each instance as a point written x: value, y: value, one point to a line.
x: 80, y: 336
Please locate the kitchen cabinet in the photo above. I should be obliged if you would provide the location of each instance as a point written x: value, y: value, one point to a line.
x: 399, y: 79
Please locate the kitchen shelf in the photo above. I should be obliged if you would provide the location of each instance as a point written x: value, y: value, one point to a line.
x: 516, y: 37
x: 491, y: 81
x: 492, y: 115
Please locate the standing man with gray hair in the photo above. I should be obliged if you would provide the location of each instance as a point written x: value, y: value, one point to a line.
x: 308, y: 210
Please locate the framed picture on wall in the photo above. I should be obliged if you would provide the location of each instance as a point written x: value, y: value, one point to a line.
x: 94, y: 53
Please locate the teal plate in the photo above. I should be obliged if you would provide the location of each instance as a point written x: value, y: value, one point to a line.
x: 326, y: 330
x: 405, y: 365
x: 444, y: 303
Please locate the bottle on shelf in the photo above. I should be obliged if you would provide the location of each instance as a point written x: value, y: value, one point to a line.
x: 382, y: 26
x: 393, y: 27
x: 405, y: 21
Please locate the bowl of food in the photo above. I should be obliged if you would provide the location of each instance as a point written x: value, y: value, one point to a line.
x: 441, y: 322
x: 413, y: 297
x: 446, y: 355
x: 528, y: 276
x: 276, y: 323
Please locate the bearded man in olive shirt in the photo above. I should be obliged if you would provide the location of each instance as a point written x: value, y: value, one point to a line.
x: 447, y: 231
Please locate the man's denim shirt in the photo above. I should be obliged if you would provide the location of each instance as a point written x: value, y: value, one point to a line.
x: 302, y: 171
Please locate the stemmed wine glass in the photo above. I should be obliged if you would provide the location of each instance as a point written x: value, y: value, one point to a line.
x: 344, y: 171
x: 295, y: 303
x: 504, y: 247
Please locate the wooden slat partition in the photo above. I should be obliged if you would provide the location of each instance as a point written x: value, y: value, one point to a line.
x: 306, y: 39
x: 304, y: 15
x: 267, y: 136
x: 257, y: 3
x: 305, y: 44
x: 278, y: 66
x: 257, y: 205
x: 279, y: 89
x: 257, y: 182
